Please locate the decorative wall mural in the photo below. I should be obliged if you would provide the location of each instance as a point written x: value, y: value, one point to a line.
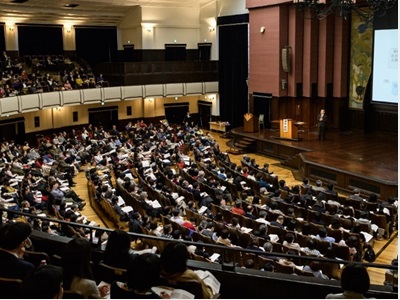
x: 360, y: 59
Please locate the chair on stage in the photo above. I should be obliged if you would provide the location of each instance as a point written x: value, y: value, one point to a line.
x: 261, y: 120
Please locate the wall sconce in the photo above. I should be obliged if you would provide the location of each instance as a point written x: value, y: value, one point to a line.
x: 68, y: 28
x: 262, y: 29
x: 148, y: 29
x: 211, y: 29
x: 10, y: 27
x: 284, y: 83
x: 150, y: 100
x: 176, y: 98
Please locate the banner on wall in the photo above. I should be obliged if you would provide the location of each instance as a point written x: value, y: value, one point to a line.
x: 360, y: 59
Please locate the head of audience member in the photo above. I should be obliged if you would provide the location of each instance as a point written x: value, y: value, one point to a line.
x: 143, y: 272
x: 330, y: 186
x: 355, y: 279
x: 116, y: 253
x: 373, y: 198
x: 44, y: 282
x: 14, y: 237
x: 306, y: 229
x: 76, y: 261
x: 174, y: 258
x: 289, y: 238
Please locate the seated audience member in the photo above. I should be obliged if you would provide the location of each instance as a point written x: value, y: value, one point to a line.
x: 117, y: 249
x: 78, y: 275
x: 44, y: 282
x: 14, y: 238
x: 311, y: 247
x: 322, y: 235
x: 315, y: 269
x: 143, y: 273
x: 288, y: 242
x: 355, y: 283
x: 174, y: 267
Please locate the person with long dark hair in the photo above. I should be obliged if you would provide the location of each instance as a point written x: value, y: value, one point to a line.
x: 78, y: 276
x: 174, y: 267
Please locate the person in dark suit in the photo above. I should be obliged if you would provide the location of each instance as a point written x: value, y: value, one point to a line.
x: 14, y: 237
x: 322, y: 120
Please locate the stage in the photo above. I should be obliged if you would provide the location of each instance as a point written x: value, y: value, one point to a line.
x: 368, y: 161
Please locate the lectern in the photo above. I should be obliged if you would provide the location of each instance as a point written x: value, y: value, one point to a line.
x: 250, y: 123
x: 286, y: 129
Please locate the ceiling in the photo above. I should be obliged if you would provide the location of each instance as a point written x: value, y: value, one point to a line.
x: 94, y: 12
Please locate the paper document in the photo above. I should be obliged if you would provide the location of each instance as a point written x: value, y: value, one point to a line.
x: 172, y: 293
x: 210, y: 280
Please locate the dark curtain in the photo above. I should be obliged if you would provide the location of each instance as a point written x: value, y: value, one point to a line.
x: 40, y: 40
x: 2, y: 38
x: 104, y: 116
x: 233, y: 72
x: 96, y: 44
x: 177, y: 113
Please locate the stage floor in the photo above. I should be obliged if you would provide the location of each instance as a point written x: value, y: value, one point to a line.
x: 370, y: 155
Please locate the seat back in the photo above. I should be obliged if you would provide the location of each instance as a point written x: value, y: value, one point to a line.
x: 9, y: 287
x: 36, y: 258
x: 282, y: 268
x: 109, y: 274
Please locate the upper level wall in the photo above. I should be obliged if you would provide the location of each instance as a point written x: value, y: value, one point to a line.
x: 317, y: 56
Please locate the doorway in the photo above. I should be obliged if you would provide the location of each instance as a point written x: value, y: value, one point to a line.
x: 262, y: 105
x: 204, y: 114
x: 104, y: 116
x: 176, y: 113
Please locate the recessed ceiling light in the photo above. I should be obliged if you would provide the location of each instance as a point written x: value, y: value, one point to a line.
x: 71, y: 5
x: 19, y: 1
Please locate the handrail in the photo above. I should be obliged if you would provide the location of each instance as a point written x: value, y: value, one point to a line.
x: 202, y: 244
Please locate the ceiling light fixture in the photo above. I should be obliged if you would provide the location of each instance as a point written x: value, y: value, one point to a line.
x: 366, y: 9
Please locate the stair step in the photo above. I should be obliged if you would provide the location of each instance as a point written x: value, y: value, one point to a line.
x: 239, y: 145
x: 248, y: 139
x: 235, y: 151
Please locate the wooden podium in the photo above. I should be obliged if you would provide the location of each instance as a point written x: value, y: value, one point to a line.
x: 287, y: 130
x: 250, y: 123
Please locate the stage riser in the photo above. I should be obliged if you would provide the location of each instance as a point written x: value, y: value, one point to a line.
x: 347, y: 182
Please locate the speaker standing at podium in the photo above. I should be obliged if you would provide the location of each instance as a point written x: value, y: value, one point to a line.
x: 322, y: 120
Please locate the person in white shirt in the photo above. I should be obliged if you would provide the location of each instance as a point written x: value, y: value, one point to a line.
x: 176, y: 216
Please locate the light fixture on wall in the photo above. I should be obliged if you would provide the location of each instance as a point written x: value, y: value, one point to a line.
x: 68, y: 28
x: 366, y: 9
x: 149, y: 29
x: 262, y: 29
x: 211, y: 28
x: 10, y: 26
x: 150, y: 100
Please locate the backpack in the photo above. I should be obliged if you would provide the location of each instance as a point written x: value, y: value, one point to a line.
x: 369, y: 255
